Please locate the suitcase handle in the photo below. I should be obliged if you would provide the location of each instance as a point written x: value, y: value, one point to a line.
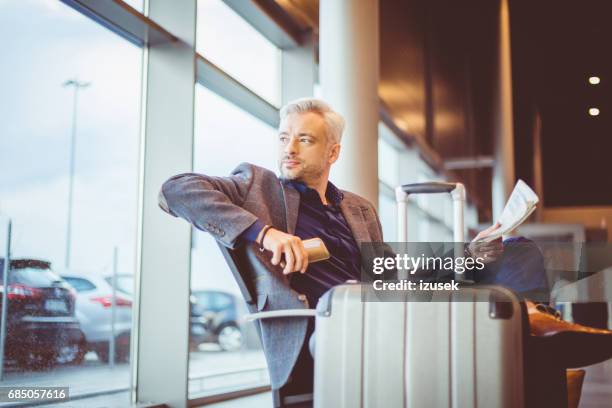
x: 429, y: 187
x: 457, y: 192
x: 280, y: 313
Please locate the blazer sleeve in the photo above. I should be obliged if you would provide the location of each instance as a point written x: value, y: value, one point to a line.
x: 212, y: 204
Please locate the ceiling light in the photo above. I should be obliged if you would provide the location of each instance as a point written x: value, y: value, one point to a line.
x: 594, y: 80
x: 593, y: 111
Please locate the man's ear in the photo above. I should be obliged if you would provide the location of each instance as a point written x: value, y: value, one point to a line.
x: 334, y: 153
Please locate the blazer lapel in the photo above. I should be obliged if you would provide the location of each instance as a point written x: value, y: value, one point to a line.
x: 354, y: 217
x: 292, y: 206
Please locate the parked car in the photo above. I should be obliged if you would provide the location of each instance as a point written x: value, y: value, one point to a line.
x: 42, y: 328
x: 94, y: 310
x: 198, y: 330
x: 214, y: 316
x: 220, y: 310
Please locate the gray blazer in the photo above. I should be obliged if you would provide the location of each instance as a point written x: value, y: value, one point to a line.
x: 227, y: 206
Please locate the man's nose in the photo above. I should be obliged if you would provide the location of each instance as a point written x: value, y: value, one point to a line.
x: 292, y: 146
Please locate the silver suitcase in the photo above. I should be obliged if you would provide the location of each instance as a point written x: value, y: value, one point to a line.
x: 449, y: 352
x: 463, y: 349
x: 436, y: 354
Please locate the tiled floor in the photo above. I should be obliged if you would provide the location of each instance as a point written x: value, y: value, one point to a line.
x: 596, y: 392
x: 263, y: 400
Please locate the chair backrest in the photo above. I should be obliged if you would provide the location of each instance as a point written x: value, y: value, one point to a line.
x: 236, y: 264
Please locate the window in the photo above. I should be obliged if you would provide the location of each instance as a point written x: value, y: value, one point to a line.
x: 229, y: 42
x: 136, y: 4
x: 230, y: 355
x: 430, y: 216
x: 124, y: 284
x: 388, y: 218
x: 388, y: 159
x: 58, y: 57
x: 34, y: 276
x: 80, y: 285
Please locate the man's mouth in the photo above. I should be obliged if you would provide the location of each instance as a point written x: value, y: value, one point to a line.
x: 291, y: 163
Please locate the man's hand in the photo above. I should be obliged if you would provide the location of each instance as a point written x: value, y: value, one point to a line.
x: 280, y: 243
x: 488, y: 251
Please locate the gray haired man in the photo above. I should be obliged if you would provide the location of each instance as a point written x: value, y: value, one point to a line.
x: 254, y: 209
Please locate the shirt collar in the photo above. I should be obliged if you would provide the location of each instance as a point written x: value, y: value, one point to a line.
x: 332, y: 193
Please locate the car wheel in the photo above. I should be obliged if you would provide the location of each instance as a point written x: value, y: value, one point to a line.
x: 121, y: 355
x: 70, y: 354
x: 102, y: 356
x: 230, y: 337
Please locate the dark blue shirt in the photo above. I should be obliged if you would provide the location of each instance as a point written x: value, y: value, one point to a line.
x: 328, y: 223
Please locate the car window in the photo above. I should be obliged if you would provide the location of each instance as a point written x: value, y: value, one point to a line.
x: 214, y: 300
x: 81, y: 285
x: 34, y: 276
x: 222, y: 301
x: 125, y: 284
x: 204, y: 300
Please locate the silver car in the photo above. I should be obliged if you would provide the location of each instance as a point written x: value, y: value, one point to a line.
x: 94, y: 312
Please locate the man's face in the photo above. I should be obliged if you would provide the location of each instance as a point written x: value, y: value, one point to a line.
x: 304, y: 152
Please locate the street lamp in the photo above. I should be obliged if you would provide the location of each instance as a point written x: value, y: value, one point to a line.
x: 77, y: 86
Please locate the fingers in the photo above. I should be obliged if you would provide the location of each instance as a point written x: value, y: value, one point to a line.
x: 487, y: 251
x: 277, y: 252
x: 296, y: 257
x: 493, y: 227
x: 484, y: 233
x: 491, y: 255
x: 305, y: 261
x: 301, y: 256
x: 287, y: 251
x: 289, y: 259
x: 495, y: 244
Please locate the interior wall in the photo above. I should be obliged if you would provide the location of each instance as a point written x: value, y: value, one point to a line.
x: 595, y: 217
x: 438, y: 61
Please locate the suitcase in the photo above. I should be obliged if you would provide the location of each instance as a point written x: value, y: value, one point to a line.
x: 450, y: 352
x: 413, y: 354
x: 444, y: 353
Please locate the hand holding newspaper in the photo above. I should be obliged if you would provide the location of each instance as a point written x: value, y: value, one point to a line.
x: 521, y: 204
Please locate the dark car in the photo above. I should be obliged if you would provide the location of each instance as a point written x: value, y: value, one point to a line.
x: 42, y: 328
x: 221, y: 313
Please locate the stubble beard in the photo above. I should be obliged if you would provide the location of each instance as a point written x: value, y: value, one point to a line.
x: 304, y: 173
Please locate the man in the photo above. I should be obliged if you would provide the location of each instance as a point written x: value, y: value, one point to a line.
x: 264, y: 219
x: 253, y: 209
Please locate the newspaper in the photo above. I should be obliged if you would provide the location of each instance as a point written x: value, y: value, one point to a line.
x: 521, y: 204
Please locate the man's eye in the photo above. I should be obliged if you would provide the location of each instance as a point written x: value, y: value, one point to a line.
x: 283, y: 139
x: 305, y: 140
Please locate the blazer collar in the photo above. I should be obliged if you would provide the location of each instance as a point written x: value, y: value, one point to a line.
x: 292, y: 206
x: 354, y: 216
x: 353, y: 213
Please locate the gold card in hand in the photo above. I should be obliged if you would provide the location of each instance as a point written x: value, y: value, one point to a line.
x: 316, y: 249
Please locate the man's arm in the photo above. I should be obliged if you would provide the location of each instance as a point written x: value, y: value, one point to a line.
x: 212, y: 204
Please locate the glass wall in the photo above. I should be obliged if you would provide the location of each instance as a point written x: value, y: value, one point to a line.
x: 430, y: 216
x: 69, y: 110
x: 229, y: 354
x: 229, y: 42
